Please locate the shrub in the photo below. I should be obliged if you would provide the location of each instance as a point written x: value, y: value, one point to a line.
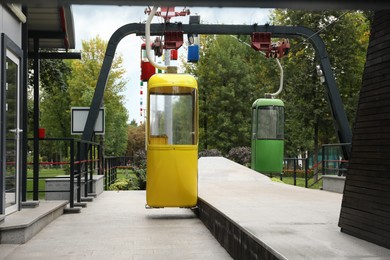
x: 120, y: 184
x: 140, y: 174
x: 209, y: 153
x: 130, y: 183
x: 140, y: 159
x: 241, y: 155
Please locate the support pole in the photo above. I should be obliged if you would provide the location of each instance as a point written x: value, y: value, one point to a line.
x: 36, y: 121
x: 24, y: 118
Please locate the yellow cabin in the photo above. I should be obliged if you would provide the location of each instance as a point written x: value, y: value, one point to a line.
x: 172, y: 141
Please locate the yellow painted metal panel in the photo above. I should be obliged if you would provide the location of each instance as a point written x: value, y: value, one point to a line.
x: 172, y: 178
x: 172, y: 145
x: 158, y: 139
x: 169, y: 80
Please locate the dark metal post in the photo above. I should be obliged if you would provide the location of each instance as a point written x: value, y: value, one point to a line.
x: 91, y: 158
x: 295, y: 172
x: 91, y: 167
x: 105, y: 174
x: 2, y: 131
x: 36, y: 121
x: 71, y: 177
x: 85, y: 169
x: 323, y: 160
x: 24, y: 118
x: 306, y: 172
x: 78, y: 172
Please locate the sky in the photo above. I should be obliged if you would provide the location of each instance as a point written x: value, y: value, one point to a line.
x: 90, y: 21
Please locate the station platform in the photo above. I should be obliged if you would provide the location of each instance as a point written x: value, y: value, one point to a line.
x: 256, y: 218
x: 250, y: 216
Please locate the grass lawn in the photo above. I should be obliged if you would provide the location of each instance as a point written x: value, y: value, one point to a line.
x: 43, y: 174
x: 301, y: 182
x: 124, y: 173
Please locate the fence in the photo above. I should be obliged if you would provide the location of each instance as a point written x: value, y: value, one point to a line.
x: 332, y: 163
x: 78, y: 169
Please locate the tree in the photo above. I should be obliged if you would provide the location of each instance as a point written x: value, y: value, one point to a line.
x: 82, y: 85
x: 54, y: 107
x: 308, y: 117
x: 135, y: 139
x: 238, y: 77
x: 231, y: 76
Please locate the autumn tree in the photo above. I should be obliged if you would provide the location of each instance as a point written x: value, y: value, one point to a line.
x: 135, y: 138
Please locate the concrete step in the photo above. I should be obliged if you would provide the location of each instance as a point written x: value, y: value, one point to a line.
x: 21, y: 226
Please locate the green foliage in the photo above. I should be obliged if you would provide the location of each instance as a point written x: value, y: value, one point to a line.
x: 309, y: 121
x: 226, y: 93
x: 120, y: 184
x: 231, y: 76
x: 64, y: 84
x: 82, y: 83
x: 53, y: 106
x: 135, y: 180
x: 141, y: 177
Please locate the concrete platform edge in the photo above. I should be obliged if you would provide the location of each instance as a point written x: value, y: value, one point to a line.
x: 237, y: 241
x: 20, y: 231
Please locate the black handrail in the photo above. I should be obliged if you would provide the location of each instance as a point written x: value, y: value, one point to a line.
x: 77, y: 169
x: 341, y: 163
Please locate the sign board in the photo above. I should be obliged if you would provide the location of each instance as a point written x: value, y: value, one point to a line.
x: 78, y: 119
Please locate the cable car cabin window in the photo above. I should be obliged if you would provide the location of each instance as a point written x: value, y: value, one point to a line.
x: 270, y: 122
x: 172, y: 116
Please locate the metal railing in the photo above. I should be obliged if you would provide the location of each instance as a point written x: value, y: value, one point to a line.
x: 296, y: 167
x: 111, y: 166
x: 332, y: 163
x: 78, y: 169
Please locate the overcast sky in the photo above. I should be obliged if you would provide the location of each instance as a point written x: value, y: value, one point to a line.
x: 90, y: 21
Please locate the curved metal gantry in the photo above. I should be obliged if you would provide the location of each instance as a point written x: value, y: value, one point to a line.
x: 339, y: 116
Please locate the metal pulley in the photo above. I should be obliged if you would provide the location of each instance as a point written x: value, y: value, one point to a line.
x: 157, y: 47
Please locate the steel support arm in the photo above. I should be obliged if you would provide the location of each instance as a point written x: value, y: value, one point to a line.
x: 340, y: 118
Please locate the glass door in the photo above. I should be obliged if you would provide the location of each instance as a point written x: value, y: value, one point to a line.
x: 12, y: 132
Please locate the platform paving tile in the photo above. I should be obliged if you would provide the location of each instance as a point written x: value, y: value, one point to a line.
x: 116, y: 225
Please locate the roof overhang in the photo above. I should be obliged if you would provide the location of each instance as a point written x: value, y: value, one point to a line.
x: 52, y: 24
x: 296, y: 4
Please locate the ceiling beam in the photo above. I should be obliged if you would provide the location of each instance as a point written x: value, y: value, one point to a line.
x: 291, y: 4
x: 57, y: 55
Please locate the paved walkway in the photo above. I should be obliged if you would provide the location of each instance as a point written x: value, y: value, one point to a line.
x: 117, y: 226
x: 293, y: 222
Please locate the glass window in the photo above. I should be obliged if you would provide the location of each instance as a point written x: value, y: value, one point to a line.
x: 172, y: 115
x: 270, y: 124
